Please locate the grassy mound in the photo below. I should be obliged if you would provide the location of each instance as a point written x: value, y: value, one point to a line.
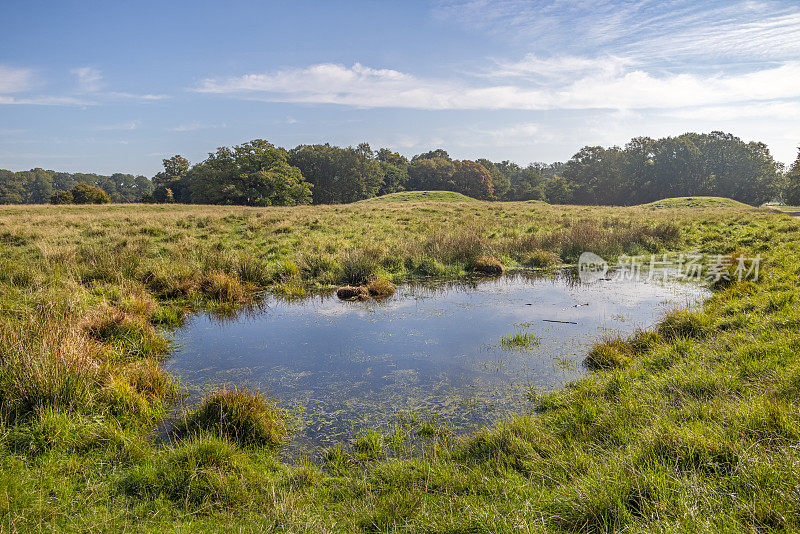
x: 695, y: 202
x: 421, y: 196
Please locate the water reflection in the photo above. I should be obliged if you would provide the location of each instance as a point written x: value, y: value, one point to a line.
x: 433, y: 348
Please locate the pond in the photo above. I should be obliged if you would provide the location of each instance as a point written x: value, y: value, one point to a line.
x: 442, y: 350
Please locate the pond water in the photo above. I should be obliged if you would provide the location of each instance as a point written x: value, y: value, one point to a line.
x: 435, y: 350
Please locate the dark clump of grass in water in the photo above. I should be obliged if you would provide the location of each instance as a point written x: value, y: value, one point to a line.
x: 240, y: 416
x: 380, y: 287
x: 488, y: 265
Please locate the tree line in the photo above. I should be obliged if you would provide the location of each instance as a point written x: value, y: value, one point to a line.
x: 258, y: 173
x: 37, y: 186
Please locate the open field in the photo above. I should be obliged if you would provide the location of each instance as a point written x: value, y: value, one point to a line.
x: 694, y: 426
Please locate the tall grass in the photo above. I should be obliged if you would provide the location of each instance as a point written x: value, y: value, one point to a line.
x: 690, y: 427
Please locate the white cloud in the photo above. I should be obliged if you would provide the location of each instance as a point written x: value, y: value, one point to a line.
x: 606, y: 88
x: 786, y: 110
x: 46, y: 101
x: 89, y: 79
x: 15, y: 80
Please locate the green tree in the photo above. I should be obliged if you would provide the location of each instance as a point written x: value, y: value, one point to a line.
x: 394, y: 168
x: 254, y: 174
x: 431, y: 174
x: 500, y: 182
x: 472, y: 179
x: 792, y: 193
x: 339, y: 175
x: 173, y: 177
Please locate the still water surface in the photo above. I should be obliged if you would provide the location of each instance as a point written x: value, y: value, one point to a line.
x: 434, y: 349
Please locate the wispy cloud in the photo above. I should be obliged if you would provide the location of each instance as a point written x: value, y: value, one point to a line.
x: 644, y: 30
x: 17, y: 87
x: 89, y: 79
x: 604, y: 88
x: 131, y: 125
x: 194, y: 126
x: 15, y: 80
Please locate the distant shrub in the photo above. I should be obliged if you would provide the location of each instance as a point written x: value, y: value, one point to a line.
x: 240, y: 416
x: 83, y: 193
x: 61, y: 197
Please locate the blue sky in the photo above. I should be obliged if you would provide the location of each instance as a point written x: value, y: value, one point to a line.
x: 117, y: 86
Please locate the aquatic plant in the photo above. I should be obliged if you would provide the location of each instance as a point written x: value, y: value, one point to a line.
x: 519, y: 340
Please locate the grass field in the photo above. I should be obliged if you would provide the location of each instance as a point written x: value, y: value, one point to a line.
x: 691, y: 427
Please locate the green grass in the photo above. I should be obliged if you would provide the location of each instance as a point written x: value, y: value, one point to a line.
x: 420, y: 196
x: 694, y: 202
x: 693, y: 426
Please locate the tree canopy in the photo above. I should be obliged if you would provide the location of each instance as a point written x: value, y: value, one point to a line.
x: 258, y: 173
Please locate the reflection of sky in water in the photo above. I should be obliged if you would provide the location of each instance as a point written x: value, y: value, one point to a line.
x: 431, y: 350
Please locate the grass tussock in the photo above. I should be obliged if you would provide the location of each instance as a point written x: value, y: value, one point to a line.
x: 488, y: 265
x: 380, y: 287
x: 239, y: 416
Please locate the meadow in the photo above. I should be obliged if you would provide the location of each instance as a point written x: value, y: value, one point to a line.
x: 693, y: 426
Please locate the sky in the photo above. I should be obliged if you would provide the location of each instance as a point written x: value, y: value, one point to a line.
x: 117, y: 86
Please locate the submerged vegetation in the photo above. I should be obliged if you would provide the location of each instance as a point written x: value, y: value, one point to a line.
x: 519, y: 340
x: 691, y: 426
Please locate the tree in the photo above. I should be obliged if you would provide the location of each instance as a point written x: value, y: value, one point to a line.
x: 83, y: 193
x: 557, y: 190
x: 500, y: 182
x: 339, y: 175
x: 253, y: 174
x: 431, y: 174
x: 792, y: 194
x: 61, y: 197
x: 472, y: 179
x: 394, y: 168
x: 173, y: 177
x: 433, y: 154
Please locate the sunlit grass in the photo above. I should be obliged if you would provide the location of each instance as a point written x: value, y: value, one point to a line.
x: 692, y: 426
